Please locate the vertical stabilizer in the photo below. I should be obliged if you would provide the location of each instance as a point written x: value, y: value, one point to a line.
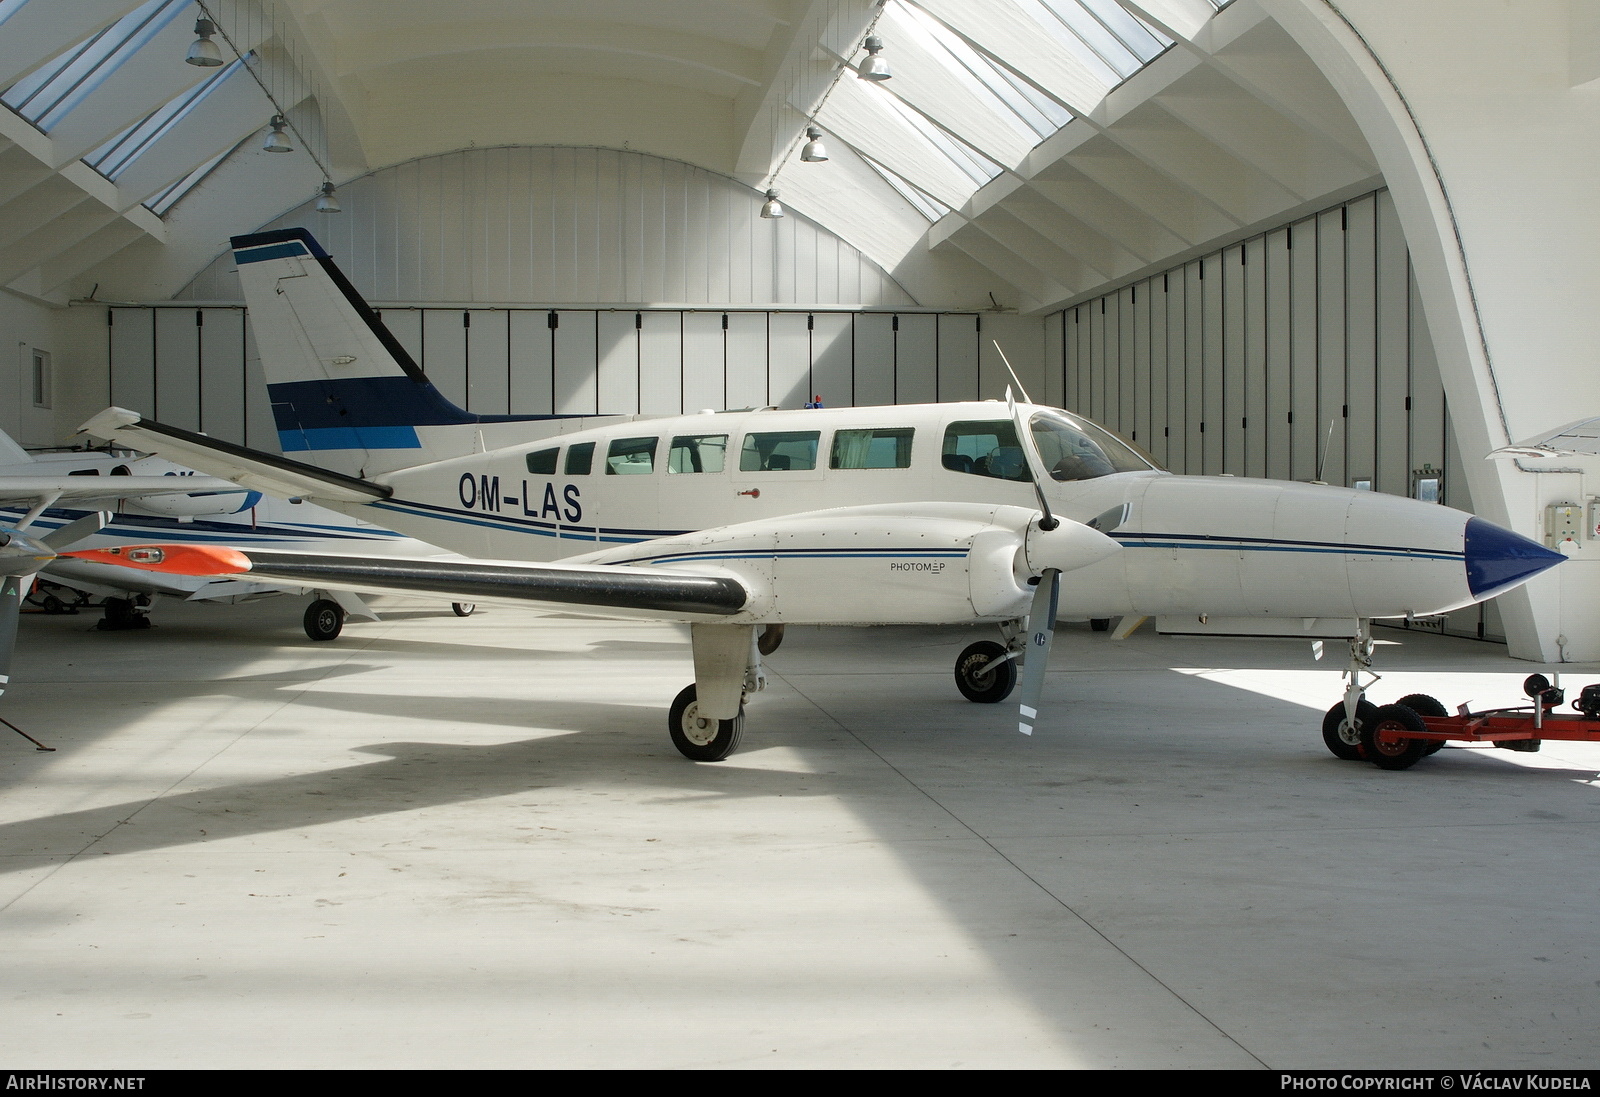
x: 11, y: 453
x: 345, y: 394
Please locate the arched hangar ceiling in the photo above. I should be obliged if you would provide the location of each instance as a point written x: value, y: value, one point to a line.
x: 1057, y: 143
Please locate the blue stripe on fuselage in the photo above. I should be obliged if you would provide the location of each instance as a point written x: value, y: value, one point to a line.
x: 274, y: 251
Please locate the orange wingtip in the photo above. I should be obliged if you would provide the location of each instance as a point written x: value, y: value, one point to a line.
x: 170, y: 559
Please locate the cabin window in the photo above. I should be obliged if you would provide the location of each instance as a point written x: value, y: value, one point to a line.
x: 985, y: 448
x: 884, y: 448
x: 780, y: 451
x: 698, y: 453
x: 543, y: 463
x: 580, y: 459
x: 631, y: 457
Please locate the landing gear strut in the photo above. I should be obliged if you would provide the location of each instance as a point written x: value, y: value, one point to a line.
x: 707, y: 718
x: 1342, y: 726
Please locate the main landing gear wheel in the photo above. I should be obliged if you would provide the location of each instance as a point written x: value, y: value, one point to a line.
x: 1385, y: 740
x: 1343, y: 740
x: 463, y: 609
x: 984, y: 674
x: 324, y: 619
x: 700, y: 739
x: 1423, y: 705
x: 122, y: 614
x: 1100, y: 624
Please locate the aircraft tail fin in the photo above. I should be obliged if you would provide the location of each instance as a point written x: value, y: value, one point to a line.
x: 346, y: 394
x: 11, y: 453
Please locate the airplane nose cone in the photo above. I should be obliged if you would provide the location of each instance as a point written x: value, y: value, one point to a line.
x: 1498, y: 559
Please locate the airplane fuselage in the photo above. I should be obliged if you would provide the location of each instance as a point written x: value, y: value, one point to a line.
x: 1212, y: 546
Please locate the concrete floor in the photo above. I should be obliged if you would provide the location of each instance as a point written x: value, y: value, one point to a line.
x: 469, y: 843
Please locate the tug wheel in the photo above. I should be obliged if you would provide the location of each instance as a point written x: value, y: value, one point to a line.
x: 1423, y: 705
x: 1385, y: 738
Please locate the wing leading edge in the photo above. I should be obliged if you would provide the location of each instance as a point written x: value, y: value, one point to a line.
x: 607, y: 586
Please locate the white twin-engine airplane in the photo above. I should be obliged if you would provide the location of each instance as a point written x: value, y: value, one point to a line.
x: 739, y: 523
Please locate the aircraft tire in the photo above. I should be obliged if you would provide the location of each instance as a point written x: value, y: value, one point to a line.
x: 694, y: 737
x: 990, y: 688
x: 1383, y: 738
x: 1346, y: 746
x: 324, y: 619
x: 463, y: 609
x: 1423, y: 705
x: 1100, y: 624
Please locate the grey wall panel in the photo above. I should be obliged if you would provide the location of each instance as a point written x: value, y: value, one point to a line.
x: 958, y: 357
x: 575, y: 346
x: 532, y: 384
x: 488, y: 336
x: 1331, y: 391
x: 747, y: 360
x: 1428, y: 413
x: 1101, y: 322
x: 406, y: 326
x: 1214, y: 381
x: 1278, y: 352
x: 661, y: 363
x: 1175, y: 288
x: 1393, y: 417
x: 1254, y: 336
x: 1361, y: 340
x: 260, y: 431
x: 1156, y: 442
x: 1055, y: 351
x: 1306, y: 432
x: 1194, y: 349
x: 874, y: 337
x: 617, y: 366
x: 916, y: 357
x: 832, y: 359
x: 789, y: 359
x: 1127, y: 360
x: 444, y: 352
x: 177, y: 368
x: 1139, y: 429
x: 704, y: 362
x: 133, y: 359
x: 1234, y: 418
x: 222, y: 380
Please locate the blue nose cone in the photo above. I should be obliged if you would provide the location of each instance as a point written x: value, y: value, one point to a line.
x: 1498, y: 559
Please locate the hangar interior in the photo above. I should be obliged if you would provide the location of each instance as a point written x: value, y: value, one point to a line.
x: 1348, y: 243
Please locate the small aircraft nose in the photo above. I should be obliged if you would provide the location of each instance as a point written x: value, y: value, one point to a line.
x: 1498, y: 558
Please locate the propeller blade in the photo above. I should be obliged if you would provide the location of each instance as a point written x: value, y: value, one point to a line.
x: 1106, y: 521
x: 10, y: 607
x: 73, y: 532
x: 1041, y: 634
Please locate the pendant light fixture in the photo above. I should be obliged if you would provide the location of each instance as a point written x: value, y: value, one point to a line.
x: 772, y: 209
x: 872, y: 66
x: 328, y: 200
x: 815, y: 152
x: 203, y: 52
x: 277, y: 140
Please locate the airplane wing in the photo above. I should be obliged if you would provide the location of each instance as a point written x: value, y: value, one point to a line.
x: 249, y: 468
x: 89, y: 492
x: 610, y: 586
x: 1580, y: 437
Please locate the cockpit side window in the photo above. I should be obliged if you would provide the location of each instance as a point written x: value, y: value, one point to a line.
x: 1075, y: 449
x: 985, y: 447
x: 631, y: 457
x: 697, y: 453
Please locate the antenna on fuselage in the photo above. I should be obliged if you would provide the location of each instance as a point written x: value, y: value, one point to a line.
x: 1015, y: 380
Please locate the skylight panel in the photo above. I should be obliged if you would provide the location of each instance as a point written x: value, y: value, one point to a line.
x: 8, y: 8
x: 161, y: 203
x: 1032, y: 114
x: 116, y: 155
x: 1142, y: 40
x: 48, y: 94
x: 925, y: 204
x: 968, y: 160
x: 1076, y: 27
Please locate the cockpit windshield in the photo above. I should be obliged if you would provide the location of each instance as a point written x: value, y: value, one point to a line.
x: 1076, y: 449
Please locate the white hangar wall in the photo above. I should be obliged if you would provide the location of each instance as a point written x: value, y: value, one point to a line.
x: 557, y: 226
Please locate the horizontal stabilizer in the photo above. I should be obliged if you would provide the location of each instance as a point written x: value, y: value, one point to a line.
x: 266, y: 472
x: 83, y: 491
x: 602, y: 586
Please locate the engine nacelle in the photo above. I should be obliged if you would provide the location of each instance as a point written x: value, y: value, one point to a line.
x: 916, y: 563
x: 199, y: 504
